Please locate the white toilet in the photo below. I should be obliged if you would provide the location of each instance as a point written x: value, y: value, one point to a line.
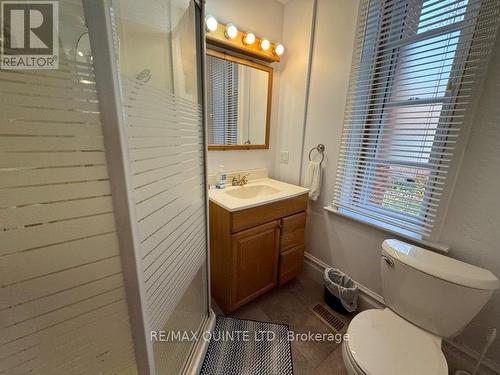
x: 428, y: 297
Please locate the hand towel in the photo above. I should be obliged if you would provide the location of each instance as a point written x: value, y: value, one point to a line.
x: 312, y: 180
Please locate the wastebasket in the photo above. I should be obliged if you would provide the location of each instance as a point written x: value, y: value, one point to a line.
x: 341, y: 293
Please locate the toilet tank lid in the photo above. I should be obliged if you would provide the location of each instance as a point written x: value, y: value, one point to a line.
x: 440, y: 266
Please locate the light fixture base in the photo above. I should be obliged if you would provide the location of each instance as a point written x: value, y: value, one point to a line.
x: 218, y: 38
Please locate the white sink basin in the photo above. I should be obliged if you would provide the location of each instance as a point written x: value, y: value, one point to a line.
x: 252, y: 191
x: 256, y: 193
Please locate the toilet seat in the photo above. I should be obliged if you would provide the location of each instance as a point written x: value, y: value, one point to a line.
x: 382, y: 343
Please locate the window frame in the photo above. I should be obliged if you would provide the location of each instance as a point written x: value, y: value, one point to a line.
x: 378, y: 97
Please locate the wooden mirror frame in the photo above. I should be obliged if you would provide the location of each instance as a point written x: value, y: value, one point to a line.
x: 268, y: 69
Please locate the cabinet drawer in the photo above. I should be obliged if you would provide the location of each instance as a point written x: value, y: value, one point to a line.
x: 291, y: 263
x: 254, y: 216
x: 293, y: 230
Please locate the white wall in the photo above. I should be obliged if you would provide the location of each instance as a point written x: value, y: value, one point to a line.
x: 257, y: 106
x: 297, y: 34
x: 472, y: 225
x: 263, y: 18
x: 252, y: 104
x: 473, y: 220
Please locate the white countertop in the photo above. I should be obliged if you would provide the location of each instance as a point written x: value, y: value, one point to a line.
x: 231, y: 203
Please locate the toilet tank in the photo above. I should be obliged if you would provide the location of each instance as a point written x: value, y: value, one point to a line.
x: 437, y: 293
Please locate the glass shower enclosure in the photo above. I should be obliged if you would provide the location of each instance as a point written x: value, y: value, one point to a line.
x: 103, y: 199
x: 158, y: 67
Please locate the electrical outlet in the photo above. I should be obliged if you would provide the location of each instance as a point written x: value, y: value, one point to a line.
x: 284, y: 157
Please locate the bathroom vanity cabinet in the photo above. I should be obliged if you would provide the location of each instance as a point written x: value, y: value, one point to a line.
x: 254, y: 250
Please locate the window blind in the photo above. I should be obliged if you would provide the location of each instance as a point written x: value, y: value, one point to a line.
x: 222, y: 92
x: 416, y: 69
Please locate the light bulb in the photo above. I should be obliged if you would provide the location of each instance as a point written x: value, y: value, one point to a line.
x: 279, y: 49
x: 249, y: 39
x: 265, y: 44
x: 211, y: 23
x: 231, y: 31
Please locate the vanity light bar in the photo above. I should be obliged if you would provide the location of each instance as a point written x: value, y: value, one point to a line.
x: 228, y: 36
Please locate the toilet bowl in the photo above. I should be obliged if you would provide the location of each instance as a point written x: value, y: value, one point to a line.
x: 349, y: 362
x: 381, y: 342
x: 425, y: 294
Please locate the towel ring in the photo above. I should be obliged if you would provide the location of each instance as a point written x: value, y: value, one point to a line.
x: 321, y: 149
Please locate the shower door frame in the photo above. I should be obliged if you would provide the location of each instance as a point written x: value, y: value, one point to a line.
x: 100, y: 27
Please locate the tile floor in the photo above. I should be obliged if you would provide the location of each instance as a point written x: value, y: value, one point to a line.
x: 290, y: 304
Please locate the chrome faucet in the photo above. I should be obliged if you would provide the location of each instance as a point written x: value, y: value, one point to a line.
x: 240, y: 181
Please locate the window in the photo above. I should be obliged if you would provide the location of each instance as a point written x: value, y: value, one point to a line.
x: 222, y: 87
x: 415, y: 68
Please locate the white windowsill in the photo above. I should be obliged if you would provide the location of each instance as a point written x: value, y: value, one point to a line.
x: 427, y: 244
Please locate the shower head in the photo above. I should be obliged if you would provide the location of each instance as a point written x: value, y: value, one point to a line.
x: 144, y: 75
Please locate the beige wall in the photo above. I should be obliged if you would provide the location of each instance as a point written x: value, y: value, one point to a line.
x: 252, y: 104
x: 471, y: 226
x: 295, y: 65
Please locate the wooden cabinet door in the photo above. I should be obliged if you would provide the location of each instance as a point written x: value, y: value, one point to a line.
x: 255, y: 262
x: 291, y: 263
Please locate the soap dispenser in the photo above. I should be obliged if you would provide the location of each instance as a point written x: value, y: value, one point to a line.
x: 221, y: 178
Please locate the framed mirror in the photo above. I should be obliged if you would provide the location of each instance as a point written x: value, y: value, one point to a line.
x: 238, y: 102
